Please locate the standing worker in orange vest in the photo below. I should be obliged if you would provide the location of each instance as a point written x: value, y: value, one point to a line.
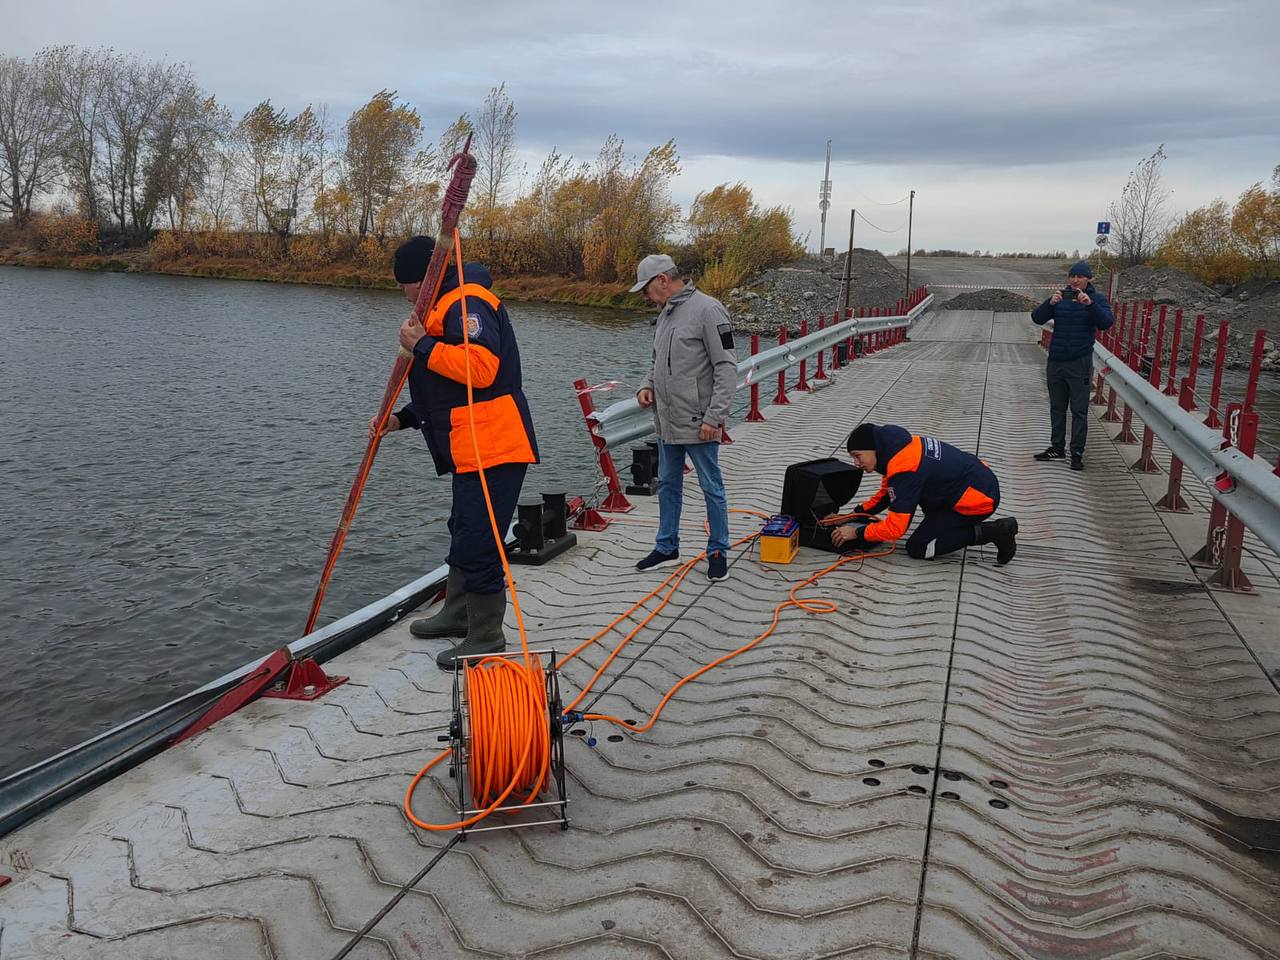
x: 475, y: 598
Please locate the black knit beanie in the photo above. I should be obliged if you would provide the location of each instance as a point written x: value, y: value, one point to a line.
x: 863, y: 437
x: 412, y: 258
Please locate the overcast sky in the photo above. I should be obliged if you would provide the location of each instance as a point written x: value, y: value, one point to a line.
x: 1016, y: 123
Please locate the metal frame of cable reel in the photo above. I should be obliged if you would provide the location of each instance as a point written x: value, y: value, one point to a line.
x: 459, y: 741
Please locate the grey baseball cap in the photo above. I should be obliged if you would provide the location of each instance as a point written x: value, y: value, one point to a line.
x: 650, y: 267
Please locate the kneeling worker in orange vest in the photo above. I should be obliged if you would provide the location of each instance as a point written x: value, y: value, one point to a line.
x: 475, y: 599
x: 956, y: 490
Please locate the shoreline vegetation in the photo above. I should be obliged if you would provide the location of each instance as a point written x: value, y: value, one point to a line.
x: 531, y: 288
x: 111, y: 161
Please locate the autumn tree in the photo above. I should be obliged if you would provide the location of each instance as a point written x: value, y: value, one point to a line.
x: 634, y: 211
x: 185, y: 151
x: 137, y: 95
x: 382, y: 137
x: 1255, y: 222
x: 280, y: 154
x: 451, y: 141
x: 495, y: 147
x: 717, y: 216
x: 1138, y: 218
x: 1201, y: 243
x: 28, y: 136
x: 76, y: 87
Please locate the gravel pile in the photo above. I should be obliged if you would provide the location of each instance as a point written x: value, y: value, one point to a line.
x: 1001, y: 301
x: 806, y: 288
x: 1247, y: 307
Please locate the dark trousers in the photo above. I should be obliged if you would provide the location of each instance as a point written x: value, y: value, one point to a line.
x: 942, y: 532
x: 471, y: 546
x: 1068, y: 382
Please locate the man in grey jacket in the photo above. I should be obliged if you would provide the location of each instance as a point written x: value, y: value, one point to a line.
x: 691, y: 382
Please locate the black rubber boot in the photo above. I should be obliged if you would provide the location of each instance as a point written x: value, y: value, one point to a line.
x: 451, y: 620
x: 485, y: 612
x: 1002, y: 533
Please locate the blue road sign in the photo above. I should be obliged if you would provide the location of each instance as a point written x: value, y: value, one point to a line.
x: 1104, y: 227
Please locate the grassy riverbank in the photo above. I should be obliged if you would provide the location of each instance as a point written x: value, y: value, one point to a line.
x: 538, y: 289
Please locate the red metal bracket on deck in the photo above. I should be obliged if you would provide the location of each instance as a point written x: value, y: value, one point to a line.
x: 235, y: 698
x: 4, y: 880
x: 306, y: 681
x: 584, y: 517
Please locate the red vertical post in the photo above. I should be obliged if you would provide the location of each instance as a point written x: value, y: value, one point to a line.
x: 1170, y: 387
x: 803, y: 383
x: 1214, y: 549
x: 781, y: 396
x: 1172, y: 499
x: 1146, y: 462
x: 1117, y: 345
x: 616, y: 501
x: 1158, y: 352
x: 1230, y: 576
x: 1126, y: 434
x: 1214, y: 419
x: 1255, y: 368
x: 1127, y: 355
x: 1197, y: 341
x: 819, y: 374
x: 754, y: 415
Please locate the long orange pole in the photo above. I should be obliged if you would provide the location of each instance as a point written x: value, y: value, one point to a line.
x: 455, y: 199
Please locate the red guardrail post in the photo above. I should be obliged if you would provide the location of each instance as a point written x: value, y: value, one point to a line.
x: 1215, y: 538
x: 781, y: 396
x: 616, y: 501
x: 1230, y: 576
x: 1255, y: 368
x: 1172, y: 499
x: 1147, y: 462
x: 803, y: 383
x: 1213, y: 420
x: 754, y: 415
x: 819, y: 374
x: 1193, y: 367
x: 1117, y: 341
x: 1126, y: 434
x: 1170, y: 387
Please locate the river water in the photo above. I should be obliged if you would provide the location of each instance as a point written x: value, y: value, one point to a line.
x: 174, y: 456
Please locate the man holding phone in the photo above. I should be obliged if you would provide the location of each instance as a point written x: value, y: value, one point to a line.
x: 1077, y: 311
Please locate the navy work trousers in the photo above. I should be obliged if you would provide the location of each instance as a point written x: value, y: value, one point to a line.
x: 942, y: 532
x: 471, y: 545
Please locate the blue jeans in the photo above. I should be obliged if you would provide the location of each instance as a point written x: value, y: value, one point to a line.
x: 706, y: 461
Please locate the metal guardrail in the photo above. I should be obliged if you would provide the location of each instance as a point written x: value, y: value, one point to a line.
x: 34, y: 789
x: 626, y: 421
x: 1254, y: 494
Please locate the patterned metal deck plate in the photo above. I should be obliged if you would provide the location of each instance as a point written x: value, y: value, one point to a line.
x: 1074, y: 756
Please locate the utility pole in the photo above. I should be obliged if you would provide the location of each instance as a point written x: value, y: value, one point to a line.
x: 824, y: 201
x: 911, y: 204
x: 848, y: 265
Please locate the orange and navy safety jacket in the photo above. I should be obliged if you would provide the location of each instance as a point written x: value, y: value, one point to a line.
x: 927, y: 473
x: 438, y: 380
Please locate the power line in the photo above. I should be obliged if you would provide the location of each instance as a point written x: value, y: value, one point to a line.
x: 877, y: 203
x: 897, y: 229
